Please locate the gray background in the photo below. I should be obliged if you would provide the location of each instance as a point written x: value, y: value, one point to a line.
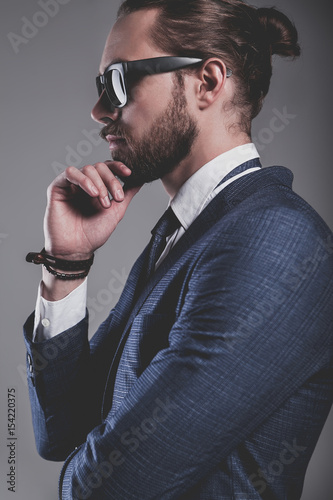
x: 47, y: 92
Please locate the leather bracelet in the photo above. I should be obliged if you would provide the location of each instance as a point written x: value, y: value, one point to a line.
x: 61, y: 264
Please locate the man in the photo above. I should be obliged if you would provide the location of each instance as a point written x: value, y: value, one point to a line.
x: 212, y: 377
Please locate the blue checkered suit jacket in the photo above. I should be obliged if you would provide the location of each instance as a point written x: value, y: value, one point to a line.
x: 212, y: 382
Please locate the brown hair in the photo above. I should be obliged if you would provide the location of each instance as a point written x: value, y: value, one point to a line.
x: 244, y: 37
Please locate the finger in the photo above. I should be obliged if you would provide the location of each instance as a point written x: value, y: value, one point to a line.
x: 112, y: 183
x: 118, y: 168
x: 87, y: 181
x: 92, y: 173
x: 77, y: 177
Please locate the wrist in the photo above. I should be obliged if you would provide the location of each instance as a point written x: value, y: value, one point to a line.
x: 68, y: 256
x: 53, y: 289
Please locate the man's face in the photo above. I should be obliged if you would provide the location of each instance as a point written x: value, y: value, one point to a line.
x: 154, y: 132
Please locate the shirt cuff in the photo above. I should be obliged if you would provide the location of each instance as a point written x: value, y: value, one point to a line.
x: 53, y: 318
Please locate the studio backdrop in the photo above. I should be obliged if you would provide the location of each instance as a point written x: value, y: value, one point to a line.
x: 50, y: 53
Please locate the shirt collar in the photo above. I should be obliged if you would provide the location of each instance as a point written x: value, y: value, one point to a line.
x: 191, y: 197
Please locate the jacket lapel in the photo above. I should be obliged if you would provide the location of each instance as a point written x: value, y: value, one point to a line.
x: 225, y: 201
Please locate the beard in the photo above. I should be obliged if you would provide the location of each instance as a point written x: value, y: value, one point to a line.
x: 168, y: 141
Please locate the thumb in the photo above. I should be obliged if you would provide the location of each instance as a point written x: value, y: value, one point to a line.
x: 131, y: 192
x: 122, y: 206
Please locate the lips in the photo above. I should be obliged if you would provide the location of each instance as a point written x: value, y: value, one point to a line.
x: 115, y: 141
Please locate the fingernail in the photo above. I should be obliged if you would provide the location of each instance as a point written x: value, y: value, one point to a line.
x: 94, y: 191
x: 120, y: 195
x: 106, y: 201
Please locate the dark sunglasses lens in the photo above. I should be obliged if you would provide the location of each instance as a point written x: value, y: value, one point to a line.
x: 115, y: 88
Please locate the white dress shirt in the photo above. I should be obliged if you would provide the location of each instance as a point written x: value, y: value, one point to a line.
x: 53, y: 318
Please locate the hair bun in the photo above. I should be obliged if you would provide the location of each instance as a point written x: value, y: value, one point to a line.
x: 280, y: 32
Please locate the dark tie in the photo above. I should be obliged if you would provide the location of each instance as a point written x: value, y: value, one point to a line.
x: 166, y: 226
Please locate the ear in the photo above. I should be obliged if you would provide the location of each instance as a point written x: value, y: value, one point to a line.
x: 212, y: 79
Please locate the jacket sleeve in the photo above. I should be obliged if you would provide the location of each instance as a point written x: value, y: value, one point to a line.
x: 255, y: 325
x: 66, y: 377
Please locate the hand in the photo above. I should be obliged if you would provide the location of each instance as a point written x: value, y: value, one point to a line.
x: 80, y: 216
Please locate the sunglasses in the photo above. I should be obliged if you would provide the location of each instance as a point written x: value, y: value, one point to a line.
x: 113, y: 80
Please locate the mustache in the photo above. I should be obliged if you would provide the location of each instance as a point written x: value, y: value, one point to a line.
x: 112, y: 129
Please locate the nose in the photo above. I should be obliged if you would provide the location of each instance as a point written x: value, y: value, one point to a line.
x: 104, y: 111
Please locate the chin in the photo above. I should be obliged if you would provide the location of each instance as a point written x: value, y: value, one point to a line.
x: 137, y: 180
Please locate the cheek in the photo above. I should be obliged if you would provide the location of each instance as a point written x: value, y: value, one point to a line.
x: 137, y: 119
x: 148, y: 100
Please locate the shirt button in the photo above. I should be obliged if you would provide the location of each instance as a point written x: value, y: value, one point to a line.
x: 45, y: 322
